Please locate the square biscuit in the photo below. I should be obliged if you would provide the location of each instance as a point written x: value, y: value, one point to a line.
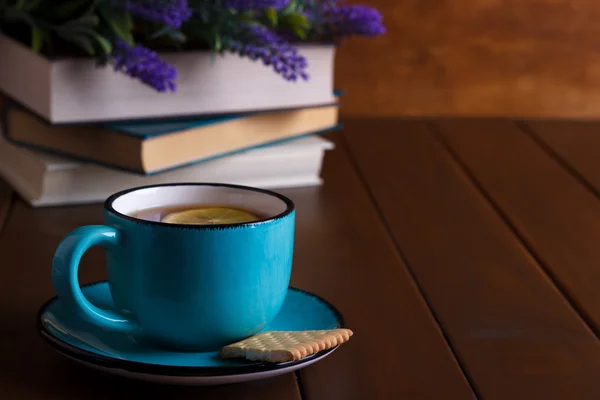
x: 284, y: 346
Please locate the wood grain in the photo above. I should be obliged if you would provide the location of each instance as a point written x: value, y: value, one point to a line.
x: 515, y: 334
x: 554, y: 213
x: 342, y: 253
x: 6, y: 200
x: 476, y: 57
x: 575, y: 143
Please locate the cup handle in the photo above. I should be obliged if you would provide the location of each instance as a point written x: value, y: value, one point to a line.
x: 65, y: 267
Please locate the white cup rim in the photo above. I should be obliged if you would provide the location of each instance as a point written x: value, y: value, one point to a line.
x: 289, y: 205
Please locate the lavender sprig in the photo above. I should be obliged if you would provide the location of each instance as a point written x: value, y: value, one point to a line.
x: 144, y: 64
x: 260, y: 43
x: 245, y: 5
x: 169, y: 12
x: 346, y: 20
x: 333, y: 18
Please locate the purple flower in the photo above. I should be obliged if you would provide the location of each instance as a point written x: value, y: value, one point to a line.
x: 144, y: 64
x: 346, y: 20
x: 335, y: 19
x: 169, y: 12
x: 245, y: 5
x: 273, y: 50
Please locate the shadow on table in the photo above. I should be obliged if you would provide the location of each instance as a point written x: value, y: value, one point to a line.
x: 30, y: 368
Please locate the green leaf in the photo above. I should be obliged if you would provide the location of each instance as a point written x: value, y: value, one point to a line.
x: 162, y: 31
x: 84, y: 25
x: 299, y: 31
x: 271, y: 15
x: 169, y: 32
x: 37, y: 39
x: 90, y: 20
x: 81, y: 41
x: 104, y: 43
x: 290, y: 8
x: 177, y: 36
x: 297, y: 19
x: 297, y: 23
x: 120, y: 23
x: 217, y: 44
x: 21, y: 5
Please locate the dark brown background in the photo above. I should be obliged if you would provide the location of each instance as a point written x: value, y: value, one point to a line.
x: 534, y: 58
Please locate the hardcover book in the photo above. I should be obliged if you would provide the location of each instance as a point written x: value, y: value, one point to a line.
x: 156, y: 146
x: 75, y: 90
x: 47, y: 180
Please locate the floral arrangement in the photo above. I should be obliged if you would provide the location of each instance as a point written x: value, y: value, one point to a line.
x: 128, y: 33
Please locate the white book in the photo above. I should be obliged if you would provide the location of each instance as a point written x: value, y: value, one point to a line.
x: 47, y: 180
x: 70, y: 90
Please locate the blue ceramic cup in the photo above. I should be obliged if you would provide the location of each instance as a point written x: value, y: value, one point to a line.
x: 188, y: 287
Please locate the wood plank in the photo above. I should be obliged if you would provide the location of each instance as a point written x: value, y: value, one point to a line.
x: 476, y: 57
x: 342, y: 254
x: 574, y: 143
x: 554, y: 213
x: 514, y: 333
x: 6, y: 200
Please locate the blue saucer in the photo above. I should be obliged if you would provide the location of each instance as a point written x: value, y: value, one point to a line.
x: 137, y: 358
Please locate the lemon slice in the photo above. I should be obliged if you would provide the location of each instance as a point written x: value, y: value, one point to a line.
x: 210, y: 216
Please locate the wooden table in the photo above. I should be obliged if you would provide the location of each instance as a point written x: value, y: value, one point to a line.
x: 464, y: 254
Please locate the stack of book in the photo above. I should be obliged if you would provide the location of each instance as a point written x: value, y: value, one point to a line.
x: 67, y: 141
